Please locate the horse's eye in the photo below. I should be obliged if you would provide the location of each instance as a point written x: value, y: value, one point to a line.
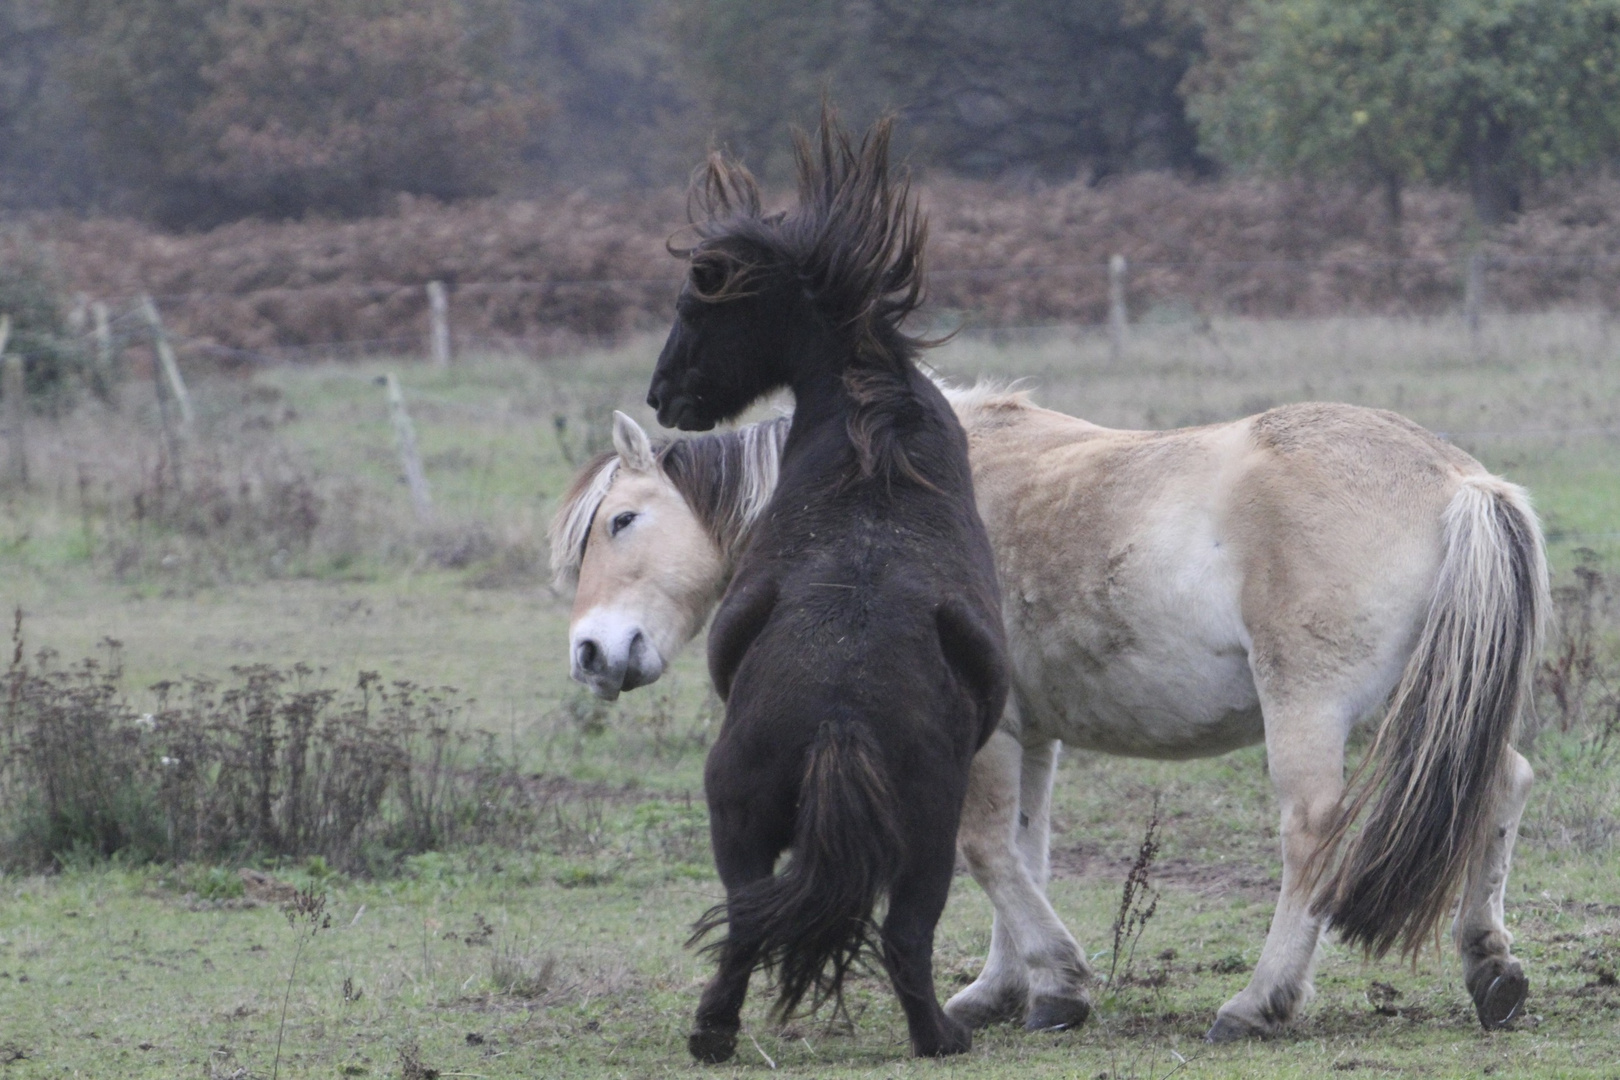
x: 707, y: 278
x: 620, y: 522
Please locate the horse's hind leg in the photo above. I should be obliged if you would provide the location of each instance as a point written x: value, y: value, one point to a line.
x: 988, y: 839
x: 743, y: 853
x: 1058, y: 972
x: 1494, y: 977
x: 916, y: 899
x: 1305, y: 753
x: 1035, y: 969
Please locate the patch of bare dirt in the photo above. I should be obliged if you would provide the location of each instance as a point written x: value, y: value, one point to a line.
x: 1203, y: 878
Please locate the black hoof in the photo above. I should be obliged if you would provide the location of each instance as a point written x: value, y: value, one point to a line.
x: 1226, y: 1030
x: 954, y: 1038
x: 1503, y: 999
x: 1050, y: 1013
x: 712, y: 1045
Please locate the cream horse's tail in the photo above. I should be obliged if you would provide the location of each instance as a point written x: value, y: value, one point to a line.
x: 1438, y: 763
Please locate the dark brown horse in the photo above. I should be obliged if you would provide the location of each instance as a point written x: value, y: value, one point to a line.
x: 859, y: 648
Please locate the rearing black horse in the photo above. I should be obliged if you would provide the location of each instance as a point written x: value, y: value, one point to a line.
x: 859, y: 649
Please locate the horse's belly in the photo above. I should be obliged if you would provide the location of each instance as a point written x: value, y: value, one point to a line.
x: 1164, y: 702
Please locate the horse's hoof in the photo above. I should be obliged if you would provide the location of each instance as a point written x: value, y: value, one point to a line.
x: 712, y: 1045
x: 1503, y: 999
x: 1226, y: 1030
x: 1050, y: 1013
x: 954, y: 1038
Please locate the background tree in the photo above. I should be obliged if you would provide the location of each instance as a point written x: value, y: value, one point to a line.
x: 1484, y: 92
x: 626, y: 114
x: 334, y: 107
x: 213, y: 109
x: 1048, y: 88
x: 44, y: 160
x: 136, y: 66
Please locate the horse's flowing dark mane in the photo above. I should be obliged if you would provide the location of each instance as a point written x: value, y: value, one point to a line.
x: 855, y: 245
x: 726, y: 478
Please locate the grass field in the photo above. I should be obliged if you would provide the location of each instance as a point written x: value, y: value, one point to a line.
x: 293, y: 541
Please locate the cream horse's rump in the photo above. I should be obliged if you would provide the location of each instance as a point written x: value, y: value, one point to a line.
x: 1179, y: 594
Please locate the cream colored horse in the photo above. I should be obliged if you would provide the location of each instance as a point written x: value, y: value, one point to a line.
x: 1176, y: 595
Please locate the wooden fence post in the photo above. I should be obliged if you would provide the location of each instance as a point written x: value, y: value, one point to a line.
x: 438, y: 324
x: 175, y: 436
x: 409, y: 459
x: 1116, y: 307
x: 14, y: 387
x: 1474, y: 295
x: 169, y: 367
x: 106, y: 364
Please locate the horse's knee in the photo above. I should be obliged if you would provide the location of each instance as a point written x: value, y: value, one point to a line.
x: 1521, y: 777
x: 1307, y: 822
x: 986, y: 834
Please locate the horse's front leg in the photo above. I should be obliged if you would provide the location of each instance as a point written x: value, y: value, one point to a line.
x: 1305, y: 752
x: 1035, y: 968
x: 1493, y: 975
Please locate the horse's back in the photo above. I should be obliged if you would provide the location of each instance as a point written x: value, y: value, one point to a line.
x: 1307, y: 535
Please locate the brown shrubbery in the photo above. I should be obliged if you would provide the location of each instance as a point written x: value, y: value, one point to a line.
x: 267, y: 766
x: 582, y: 267
x: 271, y: 766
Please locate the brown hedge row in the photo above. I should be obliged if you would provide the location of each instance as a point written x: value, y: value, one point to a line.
x: 549, y: 273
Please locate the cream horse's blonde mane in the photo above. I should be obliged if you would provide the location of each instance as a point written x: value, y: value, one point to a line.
x: 971, y: 403
x: 726, y: 478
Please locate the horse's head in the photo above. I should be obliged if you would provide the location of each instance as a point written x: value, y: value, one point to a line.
x: 740, y: 308
x: 649, y: 573
x: 735, y: 317
x: 647, y: 537
x: 792, y: 298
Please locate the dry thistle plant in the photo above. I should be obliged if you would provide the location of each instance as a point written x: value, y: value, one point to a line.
x: 1580, y: 678
x: 1138, y: 901
x: 306, y: 915
x: 411, y: 1066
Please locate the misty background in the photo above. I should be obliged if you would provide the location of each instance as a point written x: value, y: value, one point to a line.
x: 192, y: 113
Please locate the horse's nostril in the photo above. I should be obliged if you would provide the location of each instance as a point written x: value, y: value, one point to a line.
x: 652, y: 400
x: 589, y: 655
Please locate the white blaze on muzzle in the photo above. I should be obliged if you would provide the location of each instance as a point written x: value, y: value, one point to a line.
x: 610, y: 652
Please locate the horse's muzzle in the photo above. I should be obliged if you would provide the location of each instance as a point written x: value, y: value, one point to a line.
x: 610, y: 667
x: 681, y: 413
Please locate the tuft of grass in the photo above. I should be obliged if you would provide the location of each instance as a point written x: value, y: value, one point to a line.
x: 522, y: 973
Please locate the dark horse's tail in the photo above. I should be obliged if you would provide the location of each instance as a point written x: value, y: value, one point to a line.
x: 1439, y: 761
x: 811, y: 922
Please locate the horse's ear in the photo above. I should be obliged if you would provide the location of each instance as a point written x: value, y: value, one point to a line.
x: 635, y: 449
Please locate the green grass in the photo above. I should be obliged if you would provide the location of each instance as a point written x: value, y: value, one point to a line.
x: 137, y: 971
x: 119, y: 959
